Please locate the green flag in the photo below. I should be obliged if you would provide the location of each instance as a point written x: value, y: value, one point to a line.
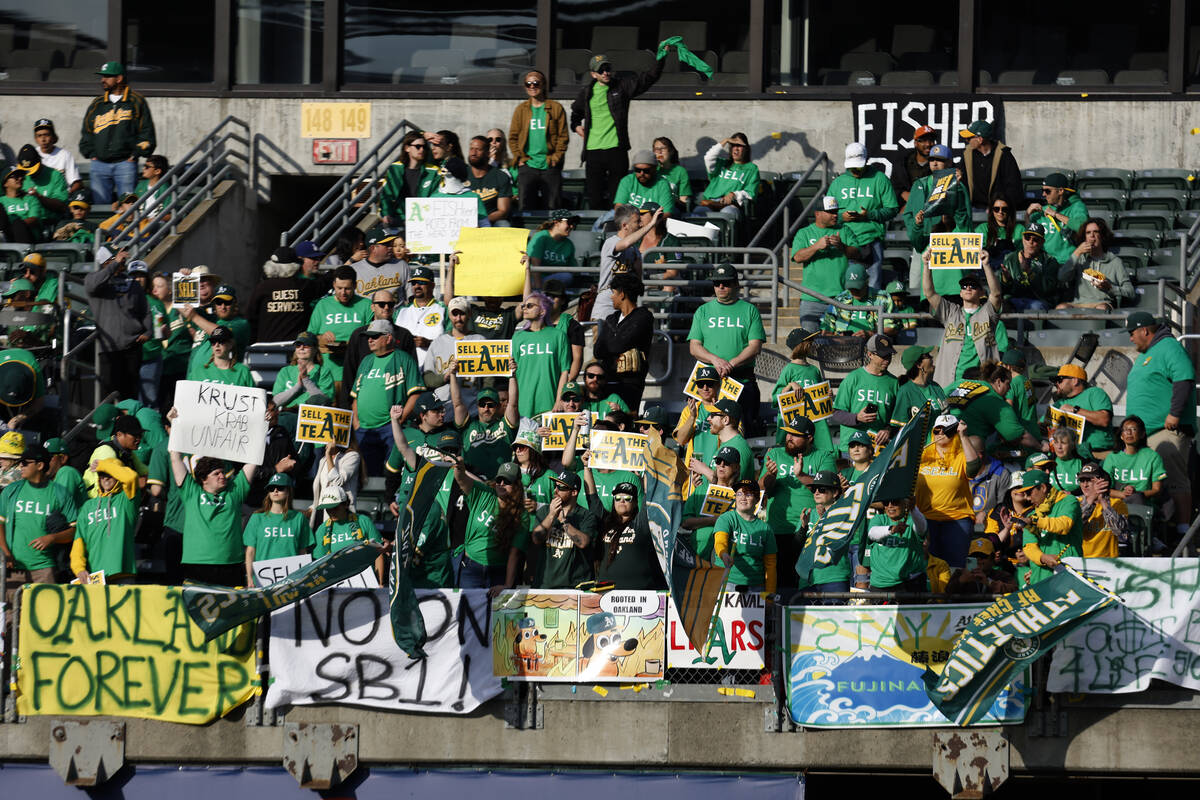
x: 892, y: 474
x: 216, y: 609
x: 941, y: 184
x: 408, y: 626
x: 1009, y: 635
x: 685, y: 56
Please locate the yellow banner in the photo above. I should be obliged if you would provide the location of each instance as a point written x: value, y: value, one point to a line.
x: 323, y: 425
x: 477, y: 357
x: 717, y: 500
x: 730, y: 389
x: 615, y: 450
x: 955, y: 250
x: 335, y: 120
x: 1065, y: 419
x: 489, y: 264
x: 127, y: 651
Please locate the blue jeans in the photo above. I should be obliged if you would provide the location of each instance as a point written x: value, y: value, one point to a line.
x: 812, y: 312
x: 473, y: 575
x: 874, y: 264
x: 374, y: 445
x: 112, y: 181
x: 1028, y: 304
x: 151, y: 375
x: 949, y: 540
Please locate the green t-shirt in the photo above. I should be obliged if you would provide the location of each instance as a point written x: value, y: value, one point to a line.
x: 1093, y: 398
x: 70, y: 479
x: 542, y: 357
x: 988, y: 413
x: 806, y: 375
x: 383, y: 382
x: 481, y: 540
x: 858, y: 390
x: 236, y: 375
x: 333, y: 536
x: 277, y: 535
x: 1150, y: 384
x: 739, y: 443
x: 1139, y: 470
x: 107, y: 525
x: 541, y: 489
x: 535, y: 143
x: 602, y: 135
x: 179, y: 344
x: 202, y: 352
x: 751, y: 540
x: 825, y: 271
x: 630, y: 191
x: 704, y: 534
x: 1020, y: 397
x: 789, y: 496
x: 551, y: 251
x: 897, y: 557
x: 159, y: 472
x: 23, y: 510
x: 562, y: 565
x: 320, y: 374
x: 487, y: 446
x: 24, y: 207
x: 330, y: 315
x: 677, y: 176
x: 726, y: 329
x: 729, y: 176
x: 1064, y: 476
x: 873, y: 195
x: 601, y: 407
x: 213, y: 522
x: 910, y: 397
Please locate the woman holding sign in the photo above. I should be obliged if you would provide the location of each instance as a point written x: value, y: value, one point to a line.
x: 276, y: 530
x: 304, y: 376
x: 704, y: 505
x: 543, y: 356
x: 497, y: 531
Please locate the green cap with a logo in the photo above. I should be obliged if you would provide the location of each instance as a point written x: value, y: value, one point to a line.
x: 855, y: 277
x: 111, y: 69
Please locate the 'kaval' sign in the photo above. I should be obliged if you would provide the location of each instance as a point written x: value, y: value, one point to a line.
x: 323, y: 425
x: 127, y: 651
x: 222, y: 421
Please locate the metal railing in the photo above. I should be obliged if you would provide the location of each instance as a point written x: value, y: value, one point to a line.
x: 223, y: 153
x: 1189, y: 257
x: 352, y: 197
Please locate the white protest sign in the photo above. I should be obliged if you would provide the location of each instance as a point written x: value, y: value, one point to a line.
x: 432, y: 223
x: 272, y: 570
x: 677, y: 227
x: 739, y: 642
x: 226, y: 422
x: 1154, y: 634
x: 337, y: 647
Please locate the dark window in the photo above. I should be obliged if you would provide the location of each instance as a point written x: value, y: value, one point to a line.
x: 169, y: 42
x: 278, y: 41
x: 56, y: 40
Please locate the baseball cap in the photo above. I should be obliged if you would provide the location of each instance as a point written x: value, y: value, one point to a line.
x: 1139, y: 319
x: 1037, y: 229
x: 568, y: 479
x: 16, y: 382
x: 731, y: 409
x: 28, y: 159
x: 970, y: 279
x: 111, y: 69
x: 12, y: 444
x: 103, y: 416
x: 798, y: 425
x: 306, y: 338
x: 307, y: 249
x: 378, y: 235
x: 142, y: 268
x: 1071, y: 371
x: 449, y: 440
x: 597, y: 61
x: 748, y: 484
x: 14, y: 173
x: 459, y: 303
x: 284, y: 255
x: 855, y: 277
x: 829, y: 203
x: 487, y: 393
x: 653, y: 415
x: 80, y: 198
x: 127, y: 424
x: 941, y: 152
x: 1036, y: 459
x: 895, y: 287
x: 923, y: 131
x: 38, y: 260
x: 1056, y: 180
x: 799, y: 335
x: 881, y: 345
x: 44, y: 124
x: 456, y: 168
x: 56, y: 446
x: 220, y: 334
x: 982, y: 545
x: 600, y: 622
x: 643, y: 157
x: 554, y: 288
x: 947, y: 421
x: 225, y: 292
x: 1012, y: 357
x: 427, y: 402
x: 826, y: 477
x: 912, y: 354
x: 708, y: 375
x: 563, y: 213
x: 1031, y: 478
x: 729, y: 455
x: 332, y: 496
x: 35, y: 452
x: 1092, y: 470
x: 509, y: 471
x: 625, y: 488
x: 648, y: 207
x: 725, y: 272
x: 421, y: 273
x: 856, y: 155
x: 129, y: 197
x: 861, y: 437
x: 19, y: 285
x: 571, y: 387
x: 979, y: 127
x: 280, y: 479
x: 379, y: 327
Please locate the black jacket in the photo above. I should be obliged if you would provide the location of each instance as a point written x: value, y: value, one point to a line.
x: 985, y: 177
x: 119, y: 307
x: 614, y: 337
x: 621, y: 90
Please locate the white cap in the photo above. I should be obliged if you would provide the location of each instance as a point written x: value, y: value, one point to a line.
x: 945, y: 421
x: 332, y: 496
x: 380, y: 326
x: 856, y: 155
x: 829, y: 203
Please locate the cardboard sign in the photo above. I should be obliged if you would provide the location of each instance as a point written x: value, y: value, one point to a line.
x: 489, y: 264
x: 814, y: 402
x: 479, y: 357
x: 335, y: 120
x: 272, y: 570
x: 717, y: 500
x: 730, y: 389
x: 185, y: 289
x: 737, y: 641
x: 1065, y: 419
x: 561, y: 424
x: 616, y: 450
x: 226, y: 422
x: 433, y: 224
x: 955, y: 250
x: 323, y: 425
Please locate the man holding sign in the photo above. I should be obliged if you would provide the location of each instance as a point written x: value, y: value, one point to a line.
x: 387, y: 378
x: 970, y: 337
x: 786, y: 475
x: 1074, y: 396
x: 727, y: 332
x: 336, y: 316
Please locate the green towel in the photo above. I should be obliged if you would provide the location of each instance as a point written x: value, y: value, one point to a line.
x: 685, y: 56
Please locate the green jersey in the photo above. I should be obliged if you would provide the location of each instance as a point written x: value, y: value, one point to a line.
x: 24, y: 509
x: 320, y: 374
x: 894, y: 557
x: 751, y: 540
x: 789, y: 496
x: 202, y: 352
x: 984, y: 412
x: 277, y: 535
x: 535, y: 142
x: 24, y: 207
x: 562, y: 565
x: 383, y: 382
x: 152, y: 350
x: 729, y: 176
x: 333, y: 536
x: 1151, y: 382
x: 860, y: 389
x: 1093, y: 398
x: 726, y: 329
x: 487, y: 445
x: 1060, y: 238
x: 872, y: 194
x: 632, y: 192
x: 860, y: 317
x: 542, y: 357
x: 602, y: 135
x: 106, y: 526
x: 483, y: 543
x: 330, y: 315
x: 911, y: 396
x: 703, y: 543
x: 550, y: 251
x: 1020, y: 397
x: 601, y: 407
x: 824, y: 271
x: 212, y: 522
x: 1139, y: 470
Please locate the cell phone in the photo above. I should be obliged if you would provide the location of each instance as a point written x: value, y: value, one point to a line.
x: 872, y: 408
x: 972, y: 563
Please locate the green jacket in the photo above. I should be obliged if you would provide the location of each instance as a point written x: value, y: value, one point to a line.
x: 1060, y: 239
x: 393, y: 193
x: 116, y: 131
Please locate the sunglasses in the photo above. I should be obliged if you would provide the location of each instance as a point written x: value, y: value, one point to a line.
x: 593, y: 375
x: 604, y: 70
x: 531, y: 305
x: 222, y: 302
x: 1046, y: 191
x: 278, y: 488
x: 25, y: 462
x: 457, y: 313
x: 420, y: 146
x: 384, y: 304
x: 487, y: 404
x: 720, y: 462
x: 623, y: 498
x: 825, y: 489
x: 1000, y: 209
x: 1030, y: 237
x: 373, y: 336
x: 643, y: 170
x: 723, y: 283
x: 495, y: 139
x: 533, y: 84
x: 504, y: 482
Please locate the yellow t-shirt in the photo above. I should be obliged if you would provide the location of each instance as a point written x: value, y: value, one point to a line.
x: 943, y: 488
x: 1099, y: 541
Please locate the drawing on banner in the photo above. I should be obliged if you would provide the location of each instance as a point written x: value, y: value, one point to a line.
x: 323, y: 425
x: 955, y: 250
x: 814, y: 402
x: 616, y: 450
x: 863, y: 666
x: 579, y: 636
x: 717, y: 500
x: 730, y: 389
x: 1065, y: 419
x: 489, y: 261
x: 222, y: 421
x: 185, y: 289
x: 483, y: 357
x: 273, y: 570
x: 738, y: 641
x: 432, y: 224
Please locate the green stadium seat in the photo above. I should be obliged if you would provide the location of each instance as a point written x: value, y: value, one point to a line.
x: 1053, y: 337
x: 1173, y: 200
x: 1166, y: 256
x: 1156, y: 272
x: 1107, y: 199
x: 1146, y: 240
x: 1182, y: 179
x: 1133, y: 258
x: 1147, y: 297
x: 13, y: 252
x: 1104, y: 178
x: 1141, y: 521
x: 65, y: 252
x: 1184, y: 220
x: 1032, y: 178
x: 1106, y: 215
x: 1145, y: 219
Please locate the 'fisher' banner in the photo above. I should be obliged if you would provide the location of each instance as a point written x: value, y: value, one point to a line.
x: 337, y: 647
x: 861, y: 666
x: 885, y: 124
x: 1155, y: 634
x: 127, y: 651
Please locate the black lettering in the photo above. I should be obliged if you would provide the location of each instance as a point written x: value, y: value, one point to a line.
x: 322, y: 632
x: 376, y: 615
x: 433, y: 633
x: 468, y: 614
x: 366, y: 681
x: 322, y: 696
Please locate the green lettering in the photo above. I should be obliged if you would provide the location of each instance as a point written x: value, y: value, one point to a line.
x: 229, y: 690
x: 131, y: 684
x: 103, y: 674
x: 38, y: 680
x: 79, y: 595
x: 32, y: 596
x: 160, y: 699
x: 137, y: 622
x: 63, y: 682
x: 113, y: 615
x: 187, y: 688
x: 414, y: 213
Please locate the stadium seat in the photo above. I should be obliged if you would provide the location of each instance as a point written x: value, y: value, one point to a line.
x: 1082, y: 77
x: 1053, y: 337
x: 1140, y: 77
x: 1173, y: 200
x: 1016, y: 77
x: 930, y: 62
x: 876, y: 63
x: 42, y: 60
x: 1148, y: 295
x: 89, y: 59
x: 915, y: 77
x: 1108, y: 199
x: 1147, y: 240
x: 1157, y: 220
x: 24, y: 74
x: 680, y: 79
x: 1184, y: 220
x: 1103, y: 178
x: 694, y: 33
x: 68, y: 252
x: 264, y: 360
x: 897, y: 239
x: 1156, y: 272
x: 631, y: 60
x: 1034, y: 177
x: 565, y: 77
x: 912, y: 39
x: 841, y: 77
x: 574, y: 58
x: 1148, y: 60
x: 70, y: 75
x: 1133, y: 258
x: 1182, y: 179
x: 1141, y: 520
x: 1166, y: 256
x: 614, y: 37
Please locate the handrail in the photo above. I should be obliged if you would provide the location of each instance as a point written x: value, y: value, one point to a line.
x: 349, y: 200
x: 190, y: 182
x: 781, y: 208
x: 86, y: 419
x: 1189, y: 257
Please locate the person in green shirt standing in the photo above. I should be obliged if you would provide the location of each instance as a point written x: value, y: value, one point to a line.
x: 867, y: 396
x: 338, y: 315
x: 786, y: 475
x: 835, y: 577
x: 37, y: 518
x: 732, y: 177
x: 644, y: 185
x: 1073, y: 395
x: 824, y: 249
x: 798, y: 375
x: 564, y: 537
x: 1062, y: 217
x: 896, y: 550
x: 867, y: 201
x: 916, y: 386
x: 224, y: 305
x: 746, y: 544
x: 221, y: 366
x: 106, y: 525
x: 723, y: 424
x: 497, y: 532
x: 63, y: 473
x: 1020, y: 391
x: 343, y: 528
x: 938, y: 203
x: 538, y: 140
x: 542, y: 354
x: 1052, y: 525
x: 276, y: 530
x: 386, y: 378
x: 727, y: 332
x: 488, y: 437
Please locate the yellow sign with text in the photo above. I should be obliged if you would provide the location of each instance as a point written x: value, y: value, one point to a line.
x: 1065, y: 419
x: 479, y: 357
x: 730, y: 389
x: 717, y: 500
x: 127, y: 651
x: 615, y: 450
x: 335, y: 120
x: 489, y: 261
x: 814, y: 402
x: 323, y: 425
x: 560, y: 424
x: 955, y: 250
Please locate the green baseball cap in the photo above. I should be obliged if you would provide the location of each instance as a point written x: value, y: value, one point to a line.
x: 979, y: 127
x: 104, y: 416
x: 1139, y: 319
x: 509, y: 471
x: 420, y: 273
x: 1012, y: 357
x: 571, y: 387
x: 653, y: 415
x: 709, y: 375
x: 20, y: 285
x: 487, y: 393
x: 729, y: 455
x: 448, y: 440
x: 1031, y: 478
x: 855, y: 277
x: 912, y: 354
x: 56, y: 446
x: 895, y: 287
x: 798, y: 425
x: 860, y: 437
x: 378, y: 235
x: 281, y: 479
x: 1036, y: 459
x: 111, y: 69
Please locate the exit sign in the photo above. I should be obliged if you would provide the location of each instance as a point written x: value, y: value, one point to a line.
x: 335, y: 151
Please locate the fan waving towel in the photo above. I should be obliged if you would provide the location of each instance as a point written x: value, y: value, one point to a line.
x: 685, y: 56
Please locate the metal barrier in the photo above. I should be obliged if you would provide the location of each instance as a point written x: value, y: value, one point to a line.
x: 1189, y: 257
x: 223, y: 153
x: 352, y: 197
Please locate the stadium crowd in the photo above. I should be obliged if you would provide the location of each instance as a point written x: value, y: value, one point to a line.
x: 1003, y: 493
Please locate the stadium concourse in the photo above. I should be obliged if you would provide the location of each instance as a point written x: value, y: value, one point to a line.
x: 656, y: 337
